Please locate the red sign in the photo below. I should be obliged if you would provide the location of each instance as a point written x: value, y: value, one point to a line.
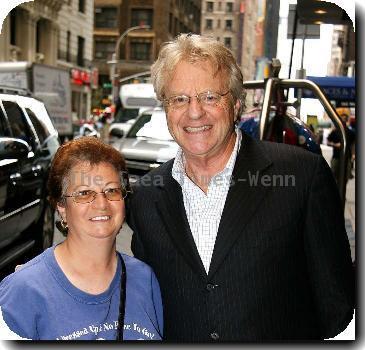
x: 80, y: 77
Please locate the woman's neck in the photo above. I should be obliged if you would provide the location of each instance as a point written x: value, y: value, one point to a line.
x: 90, y: 267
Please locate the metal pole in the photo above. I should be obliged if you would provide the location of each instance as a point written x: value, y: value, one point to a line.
x: 115, y: 59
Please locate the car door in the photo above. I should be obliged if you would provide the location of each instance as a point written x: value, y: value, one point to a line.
x: 9, y: 201
x: 30, y: 184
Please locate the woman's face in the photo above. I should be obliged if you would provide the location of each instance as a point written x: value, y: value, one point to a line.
x: 101, y: 218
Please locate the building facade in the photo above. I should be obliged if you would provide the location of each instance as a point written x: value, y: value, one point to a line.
x: 342, y: 51
x: 139, y: 48
x: 57, y: 33
x: 220, y: 19
x: 75, y: 51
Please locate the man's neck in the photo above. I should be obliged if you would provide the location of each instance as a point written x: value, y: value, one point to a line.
x: 201, y: 169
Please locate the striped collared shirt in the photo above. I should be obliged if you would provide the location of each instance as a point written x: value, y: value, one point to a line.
x: 204, y: 211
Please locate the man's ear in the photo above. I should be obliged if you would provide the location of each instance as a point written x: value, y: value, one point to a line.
x: 236, y: 109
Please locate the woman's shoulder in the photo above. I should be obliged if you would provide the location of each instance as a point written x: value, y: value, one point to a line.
x: 135, y: 265
x: 29, y: 274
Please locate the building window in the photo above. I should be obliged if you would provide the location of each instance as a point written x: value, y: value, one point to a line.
x: 219, y: 5
x: 68, y: 46
x: 208, y: 24
x: 228, y: 42
x: 229, y: 7
x: 104, y: 49
x: 170, y: 23
x: 218, y: 23
x: 82, y: 6
x: 106, y: 17
x: 140, y: 51
x: 210, y: 6
x: 228, y: 24
x: 13, y: 27
x: 142, y: 17
x: 80, y: 51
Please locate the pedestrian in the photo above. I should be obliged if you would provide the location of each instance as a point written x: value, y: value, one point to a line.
x: 247, y: 238
x: 82, y: 288
x: 334, y: 140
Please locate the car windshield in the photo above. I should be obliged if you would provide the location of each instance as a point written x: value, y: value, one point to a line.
x: 152, y: 126
x: 124, y: 114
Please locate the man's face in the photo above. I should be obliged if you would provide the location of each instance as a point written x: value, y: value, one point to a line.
x: 200, y: 130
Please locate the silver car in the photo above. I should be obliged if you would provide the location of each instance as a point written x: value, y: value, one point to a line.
x: 148, y: 143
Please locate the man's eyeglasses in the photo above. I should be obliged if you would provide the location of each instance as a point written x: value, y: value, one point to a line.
x: 87, y: 196
x: 208, y: 98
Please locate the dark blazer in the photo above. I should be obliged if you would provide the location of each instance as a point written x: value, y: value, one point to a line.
x: 281, y: 267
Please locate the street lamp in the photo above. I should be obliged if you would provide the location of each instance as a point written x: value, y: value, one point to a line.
x: 114, y: 61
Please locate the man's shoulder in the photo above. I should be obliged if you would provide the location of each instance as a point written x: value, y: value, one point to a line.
x: 281, y: 152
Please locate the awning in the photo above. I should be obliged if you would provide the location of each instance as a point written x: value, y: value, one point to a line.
x: 338, y: 89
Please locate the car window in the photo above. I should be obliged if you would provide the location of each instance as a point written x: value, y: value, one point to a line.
x: 39, y: 127
x: 2, y: 124
x: 125, y: 114
x: 156, y: 128
x: 142, y: 120
x: 18, y: 124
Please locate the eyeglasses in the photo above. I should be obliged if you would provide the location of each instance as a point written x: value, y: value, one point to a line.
x: 208, y: 98
x: 87, y: 196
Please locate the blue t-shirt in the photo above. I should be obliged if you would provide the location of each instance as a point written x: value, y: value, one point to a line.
x: 38, y: 302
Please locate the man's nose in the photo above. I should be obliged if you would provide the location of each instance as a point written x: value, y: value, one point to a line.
x: 195, y: 108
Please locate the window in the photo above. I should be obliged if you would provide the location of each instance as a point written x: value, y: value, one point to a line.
x: 228, y: 24
x: 229, y: 7
x: 104, y: 49
x: 219, y: 5
x: 218, y: 23
x: 228, y: 42
x: 82, y: 6
x: 141, y: 17
x: 140, y: 51
x: 210, y: 6
x: 39, y: 127
x: 106, y: 17
x: 208, y: 24
x: 13, y: 27
x: 80, y: 51
x: 68, y: 45
x: 18, y: 124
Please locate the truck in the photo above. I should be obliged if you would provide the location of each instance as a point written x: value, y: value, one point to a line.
x: 50, y: 84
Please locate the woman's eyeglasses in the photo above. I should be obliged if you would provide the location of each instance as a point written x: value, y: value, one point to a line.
x: 87, y: 196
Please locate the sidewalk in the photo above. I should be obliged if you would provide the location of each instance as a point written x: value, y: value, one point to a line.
x: 350, y: 215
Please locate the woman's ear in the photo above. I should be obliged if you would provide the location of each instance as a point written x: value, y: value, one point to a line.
x: 61, y: 211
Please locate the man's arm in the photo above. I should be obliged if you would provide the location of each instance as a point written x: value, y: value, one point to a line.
x: 136, y: 244
x: 328, y: 253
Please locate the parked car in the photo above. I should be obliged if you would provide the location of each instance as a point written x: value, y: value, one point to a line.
x: 148, y: 143
x: 28, y: 142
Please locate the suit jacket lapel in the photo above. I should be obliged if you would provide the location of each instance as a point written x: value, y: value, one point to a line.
x: 170, y: 206
x: 243, y: 198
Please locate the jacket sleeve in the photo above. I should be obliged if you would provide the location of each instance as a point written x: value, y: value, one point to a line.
x: 328, y: 253
x: 136, y: 244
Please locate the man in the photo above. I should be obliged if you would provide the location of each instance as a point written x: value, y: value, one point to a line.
x: 334, y: 140
x: 239, y: 255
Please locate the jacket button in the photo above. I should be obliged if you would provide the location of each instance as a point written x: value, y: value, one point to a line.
x: 210, y: 287
x: 214, y: 336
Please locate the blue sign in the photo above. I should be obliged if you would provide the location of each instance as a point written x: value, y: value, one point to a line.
x: 337, y: 89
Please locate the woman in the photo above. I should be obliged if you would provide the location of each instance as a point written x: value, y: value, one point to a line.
x: 77, y: 289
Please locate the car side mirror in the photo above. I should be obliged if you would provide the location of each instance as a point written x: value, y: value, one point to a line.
x: 13, y: 148
x: 117, y: 133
